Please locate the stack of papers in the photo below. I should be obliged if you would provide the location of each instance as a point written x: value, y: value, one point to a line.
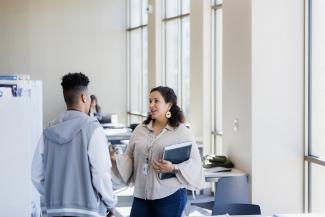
x: 216, y: 169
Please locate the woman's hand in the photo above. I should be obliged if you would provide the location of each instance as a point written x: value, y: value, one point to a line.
x: 163, y: 166
x: 112, y: 153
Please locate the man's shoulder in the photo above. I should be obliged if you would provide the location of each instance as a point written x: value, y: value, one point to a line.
x: 92, y: 123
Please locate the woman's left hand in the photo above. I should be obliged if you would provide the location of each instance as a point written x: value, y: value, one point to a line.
x: 163, y: 166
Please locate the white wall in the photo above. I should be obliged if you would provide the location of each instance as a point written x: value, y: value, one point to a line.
x: 263, y: 88
x: 200, y: 67
x: 47, y: 39
x: 278, y: 102
x: 237, y: 71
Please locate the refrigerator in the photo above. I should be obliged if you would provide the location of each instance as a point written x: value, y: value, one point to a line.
x: 21, y: 124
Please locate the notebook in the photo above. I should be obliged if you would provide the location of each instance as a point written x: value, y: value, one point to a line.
x: 176, y: 154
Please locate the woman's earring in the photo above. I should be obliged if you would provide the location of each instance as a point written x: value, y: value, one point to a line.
x: 168, y: 114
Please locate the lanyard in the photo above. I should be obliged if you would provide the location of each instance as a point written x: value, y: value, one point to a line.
x: 151, y: 139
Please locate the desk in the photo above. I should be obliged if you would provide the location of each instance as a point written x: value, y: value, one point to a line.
x: 116, y: 135
x: 119, y: 138
x: 214, y: 176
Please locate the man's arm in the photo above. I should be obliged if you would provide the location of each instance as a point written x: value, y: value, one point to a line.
x: 37, y: 172
x: 100, y: 163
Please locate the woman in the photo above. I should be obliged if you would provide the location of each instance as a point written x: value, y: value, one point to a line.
x: 143, y: 160
x: 95, y: 110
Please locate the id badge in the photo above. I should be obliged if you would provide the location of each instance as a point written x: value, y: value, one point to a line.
x: 145, y: 169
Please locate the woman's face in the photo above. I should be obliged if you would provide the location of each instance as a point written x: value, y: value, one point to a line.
x: 157, y: 106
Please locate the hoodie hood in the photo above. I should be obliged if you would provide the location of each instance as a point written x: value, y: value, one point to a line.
x: 65, y: 128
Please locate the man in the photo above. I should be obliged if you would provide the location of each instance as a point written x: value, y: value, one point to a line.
x: 71, y: 164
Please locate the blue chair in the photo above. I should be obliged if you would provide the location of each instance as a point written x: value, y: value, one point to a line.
x: 133, y: 126
x: 236, y: 209
x: 232, y: 190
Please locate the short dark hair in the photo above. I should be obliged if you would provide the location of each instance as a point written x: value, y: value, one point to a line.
x: 177, y: 116
x: 73, y: 85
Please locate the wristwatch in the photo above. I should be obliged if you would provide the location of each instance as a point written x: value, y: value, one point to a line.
x: 175, y: 169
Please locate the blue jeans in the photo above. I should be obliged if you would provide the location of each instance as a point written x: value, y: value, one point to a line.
x: 171, y: 206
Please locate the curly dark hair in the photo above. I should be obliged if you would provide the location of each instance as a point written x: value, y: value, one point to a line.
x: 177, y: 116
x: 73, y: 85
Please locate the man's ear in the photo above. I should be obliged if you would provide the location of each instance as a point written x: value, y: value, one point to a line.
x: 84, y: 98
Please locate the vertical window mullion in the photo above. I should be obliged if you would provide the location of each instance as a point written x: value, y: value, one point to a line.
x: 179, y: 53
x: 141, y: 82
x: 136, y: 22
x: 315, y: 152
x: 180, y: 62
x: 215, y: 79
x: 216, y: 145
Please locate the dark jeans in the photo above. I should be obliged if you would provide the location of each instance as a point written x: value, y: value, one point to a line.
x: 171, y: 206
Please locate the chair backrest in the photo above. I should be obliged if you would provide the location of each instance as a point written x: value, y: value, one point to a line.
x: 133, y: 126
x: 232, y: 189
x: 236, y: 209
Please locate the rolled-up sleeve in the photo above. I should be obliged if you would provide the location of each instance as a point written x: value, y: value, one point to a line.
x: 100, y: 163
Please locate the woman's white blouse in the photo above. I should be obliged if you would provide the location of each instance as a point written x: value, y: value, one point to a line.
x: 143, y: 140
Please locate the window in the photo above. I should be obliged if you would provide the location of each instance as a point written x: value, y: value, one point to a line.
x: 315, y: 158
x: 177, y: 50
x: 137, y: 60
x: 216, y: 77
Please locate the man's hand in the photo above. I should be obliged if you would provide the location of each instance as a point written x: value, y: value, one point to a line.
x: 110, y: 213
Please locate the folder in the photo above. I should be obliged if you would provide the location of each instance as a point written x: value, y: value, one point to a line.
x: 176, y: 154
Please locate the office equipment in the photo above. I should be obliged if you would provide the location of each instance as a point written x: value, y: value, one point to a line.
x: 104, y: 119
x: 21, y: 118
x: 236, y: 209
x: 176, y: 154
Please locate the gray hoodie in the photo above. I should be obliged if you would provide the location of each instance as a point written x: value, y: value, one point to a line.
x: 68, y: 180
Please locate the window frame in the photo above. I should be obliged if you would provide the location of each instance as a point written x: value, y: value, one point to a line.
x: 132, y: 114
x: 309, y: 159
x: 180, y: 86
x: 216, y: 75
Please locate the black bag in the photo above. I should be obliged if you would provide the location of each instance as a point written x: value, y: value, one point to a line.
x: 212, y: 160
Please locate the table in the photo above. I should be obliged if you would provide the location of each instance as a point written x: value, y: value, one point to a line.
x: 115, y: 136
x: 215, y: 176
